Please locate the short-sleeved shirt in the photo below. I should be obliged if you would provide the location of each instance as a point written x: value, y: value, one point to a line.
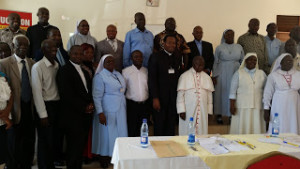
x: 7, y: 36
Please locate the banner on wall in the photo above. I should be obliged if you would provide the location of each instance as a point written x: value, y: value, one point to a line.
x: 26, y: 19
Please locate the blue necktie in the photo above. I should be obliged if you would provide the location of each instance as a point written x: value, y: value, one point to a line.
x: 26, y: 88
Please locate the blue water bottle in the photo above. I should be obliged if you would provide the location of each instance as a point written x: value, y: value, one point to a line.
x: 144, y: 134
x: 191, y: 132
x: 275, y: 125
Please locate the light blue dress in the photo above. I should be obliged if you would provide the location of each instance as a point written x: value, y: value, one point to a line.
x: 227, y: 60
x: 108, y: 95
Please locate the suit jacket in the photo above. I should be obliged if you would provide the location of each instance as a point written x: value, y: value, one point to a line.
x: 73, y: 96
x: 103, y: 47
x: 207, y: 54
x: 40, y: 55
x: 9, y: 66
x: 163, y: 85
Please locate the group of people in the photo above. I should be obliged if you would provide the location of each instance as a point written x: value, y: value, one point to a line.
x: 98, y: 91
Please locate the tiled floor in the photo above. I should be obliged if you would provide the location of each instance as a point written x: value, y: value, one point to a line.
x: 213, y: 128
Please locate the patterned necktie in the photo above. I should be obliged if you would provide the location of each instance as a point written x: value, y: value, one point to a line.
x: 26, y: 88
x: 111, y: 42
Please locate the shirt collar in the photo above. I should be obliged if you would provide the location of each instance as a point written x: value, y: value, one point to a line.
x: 48, y: 63
x: 137, y: 30
x: 19, y: 59
x: 198, y: 42
x: 250, y: 34
x: 168, y: 52
x: 7, y: 29
x: 112, y: 40
x: 77, y: 66
x: 45, y: 26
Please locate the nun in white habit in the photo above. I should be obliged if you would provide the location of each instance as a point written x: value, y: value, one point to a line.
x: 245, y: 96
x: 194, y: 98
x: 281, y: 95
x: 81, y: 35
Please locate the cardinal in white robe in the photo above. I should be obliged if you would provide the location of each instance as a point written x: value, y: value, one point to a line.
x: 194, y: 98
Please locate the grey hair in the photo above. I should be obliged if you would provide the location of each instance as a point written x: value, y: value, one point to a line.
x: 20, y: 36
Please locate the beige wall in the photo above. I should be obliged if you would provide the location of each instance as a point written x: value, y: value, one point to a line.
x: 213, y: 15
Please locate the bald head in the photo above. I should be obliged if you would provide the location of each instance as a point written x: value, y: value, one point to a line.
x: 43, y: 15
x: 253, y: 26
x: 170, y: 25
x: 198, y: 63
x: 111, y: 32
x: 49, y: 49
x: 198, y: 33
x: 140, y: 21
x: 14, y: 21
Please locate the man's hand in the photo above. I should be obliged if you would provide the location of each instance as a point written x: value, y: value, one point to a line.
x: 90, y: 108
x: 182, y: 115
x: 102, y: 118
x: 44, y: 122
x: 232, y: 107
x: 267, y: 115
x: 214, y: 79
x: 156, y: 104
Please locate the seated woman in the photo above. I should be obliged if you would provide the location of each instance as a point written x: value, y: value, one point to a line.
x: 81, y: 35
x: 194, y: 98
x: 246, y: 92
x: 282, y: 95
x: 110, y: 116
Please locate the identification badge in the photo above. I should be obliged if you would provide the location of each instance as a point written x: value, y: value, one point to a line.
x: 122, y: 90
x: 171, y: 71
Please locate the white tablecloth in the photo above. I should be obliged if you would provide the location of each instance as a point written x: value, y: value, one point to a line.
x: 128, y: 154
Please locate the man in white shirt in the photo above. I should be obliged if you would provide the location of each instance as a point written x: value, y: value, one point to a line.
x: 46, y: 100
x: 136, y: 78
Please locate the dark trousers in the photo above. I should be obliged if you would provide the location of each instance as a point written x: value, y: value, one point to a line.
x: 76, y: 137
x: 21, y: 140
x: 47, y: 136
x: 3, y: 145
x: 136, y: 112
x: 165, y: 120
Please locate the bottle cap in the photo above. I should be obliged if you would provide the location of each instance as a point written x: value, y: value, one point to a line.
x: 144, y: 120
x: 276, y: 114
x: 191, y: 119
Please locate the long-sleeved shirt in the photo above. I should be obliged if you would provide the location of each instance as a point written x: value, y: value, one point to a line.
x: 137, y: 40
x: 44, y: 87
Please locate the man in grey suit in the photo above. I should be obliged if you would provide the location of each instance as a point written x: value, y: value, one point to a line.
x: 111, y: 45
x: 17, y: 67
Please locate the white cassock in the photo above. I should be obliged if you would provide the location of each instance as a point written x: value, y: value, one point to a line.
x: 194, y: 97
x: 284, y: 99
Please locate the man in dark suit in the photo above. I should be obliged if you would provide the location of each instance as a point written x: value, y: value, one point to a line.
x: 164, y: 72
x: 201, y: 48
x: 74, y: 86
x: 111, y: 45
x: 21, y: 136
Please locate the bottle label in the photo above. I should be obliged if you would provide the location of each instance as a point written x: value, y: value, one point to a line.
x: 144, y: 140
x: 275, y: 131
x: 191, y: 138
